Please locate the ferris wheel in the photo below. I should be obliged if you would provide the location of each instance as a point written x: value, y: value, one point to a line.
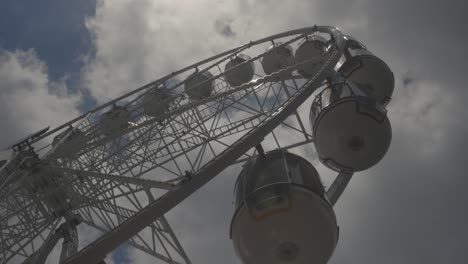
x: 121, y: 167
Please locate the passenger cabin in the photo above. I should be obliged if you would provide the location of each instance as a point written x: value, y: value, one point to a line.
x: 239, y: 71
x: 157, y: 101
x: 277, y: 58
x: 311, y: 52
x: 68, y: 142
x: 114, y: 121
x: 282, y: 213
x: 198, y: 86
x: 351, y: 130
x: 369, y: 72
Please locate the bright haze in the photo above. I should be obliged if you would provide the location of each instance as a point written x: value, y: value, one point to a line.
x: 60, y: 58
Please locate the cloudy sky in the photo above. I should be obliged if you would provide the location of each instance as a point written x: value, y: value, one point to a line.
x: 59, y: 58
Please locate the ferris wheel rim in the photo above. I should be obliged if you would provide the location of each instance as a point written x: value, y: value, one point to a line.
x: 100, y: 247
x: 305, y: 31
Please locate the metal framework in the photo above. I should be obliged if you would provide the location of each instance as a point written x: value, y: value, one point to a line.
x: 123, y: 183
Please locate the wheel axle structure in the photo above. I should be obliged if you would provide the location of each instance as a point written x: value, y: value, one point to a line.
x: 121, y: 167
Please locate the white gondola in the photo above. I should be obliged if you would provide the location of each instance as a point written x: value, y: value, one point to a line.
x: 351, y: 131
x: 282, y: 214
x: 199, y: 86
x: 115, y: 121
x: 311, y: 51
x: 237, y: 75
x: 369, y: 72
x: 156, y: 102
x: 68, y: 142
x: 278, y: 58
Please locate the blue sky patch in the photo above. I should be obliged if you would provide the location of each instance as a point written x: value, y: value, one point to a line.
x: 55, y: 29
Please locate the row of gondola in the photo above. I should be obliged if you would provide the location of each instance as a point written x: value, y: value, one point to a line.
x: 283, y: 214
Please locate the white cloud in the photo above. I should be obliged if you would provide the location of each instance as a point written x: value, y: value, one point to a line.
x: 137, y: 42
x: 423, y: 111
x: 29, y: 100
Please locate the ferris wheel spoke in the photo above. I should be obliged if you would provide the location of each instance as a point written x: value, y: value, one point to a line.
x: 193, y: 129
x: 176, y: 142
x: 270, y: 98
x: 110, y: 189
x: 23, y: 242
x: 190, y: 148
x: 236, y: 104
x: 163, y: 244
x: 123, y: 148
x: 104, y: 212
x: 250, y: 124
x: 89, y: 175
x: 199, y: 121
